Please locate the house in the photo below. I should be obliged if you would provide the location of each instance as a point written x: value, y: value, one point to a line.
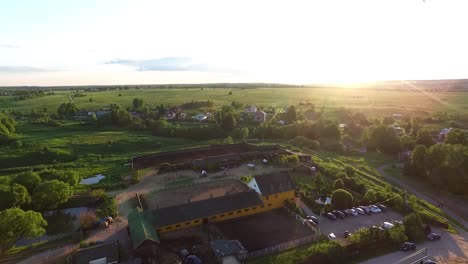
x: 397, y: 116
x: 260, y: 116
x: 107, y: 253
x: 200, y: 117
x: 102, y: 113
x: 251, y: 109
x: 443, y: 133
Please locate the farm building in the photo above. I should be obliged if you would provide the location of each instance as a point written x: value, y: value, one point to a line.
x: 260, y: 116
x: 268, y: 192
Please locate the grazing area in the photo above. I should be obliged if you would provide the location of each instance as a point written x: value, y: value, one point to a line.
x: 264, y: 230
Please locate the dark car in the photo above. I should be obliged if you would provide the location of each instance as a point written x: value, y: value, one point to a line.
x: 382, y: 207
x: 433, y: 236
x: 429, y: 261
x: 330, y: 216
x: 408, y: 246
x: 344, y: 212
x: 366, y: 210
x: 313, y: 218
x: 346, y: 234
x: 348, y: 212
x: 312, y: 222
x: 338, y: 214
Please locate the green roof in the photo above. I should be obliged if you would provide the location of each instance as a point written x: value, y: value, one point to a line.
x: 140, y: 229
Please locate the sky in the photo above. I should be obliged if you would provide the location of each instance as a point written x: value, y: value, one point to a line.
x: 88, y: 42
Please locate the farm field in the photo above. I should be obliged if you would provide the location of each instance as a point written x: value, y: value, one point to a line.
x: 372, y: 101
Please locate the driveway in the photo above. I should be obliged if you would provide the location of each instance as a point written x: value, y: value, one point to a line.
x: 451, y: 248
x: 421, y: 195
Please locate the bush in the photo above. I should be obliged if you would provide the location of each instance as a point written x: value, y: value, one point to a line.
x: 107, y: 208
x: 84, y: 244
x: 87, y: 220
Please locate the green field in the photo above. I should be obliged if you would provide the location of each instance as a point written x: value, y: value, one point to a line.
x: 371, y: 101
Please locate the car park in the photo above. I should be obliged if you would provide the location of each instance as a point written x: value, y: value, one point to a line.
x: 313, y: 218
x: 330, y: 216
x: 366, y: 209
x: 408, y: 246
x: 433, y: 237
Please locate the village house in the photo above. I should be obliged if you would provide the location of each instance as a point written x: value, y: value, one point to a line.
x: 251, y: 109
x: 260, y: 116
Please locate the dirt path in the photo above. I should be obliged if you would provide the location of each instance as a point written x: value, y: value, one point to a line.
x: 434, y: 201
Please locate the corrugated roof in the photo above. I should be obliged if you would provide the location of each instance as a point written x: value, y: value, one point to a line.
x: 140, y: 229
x: 202, y: 209
x: 274, y: 183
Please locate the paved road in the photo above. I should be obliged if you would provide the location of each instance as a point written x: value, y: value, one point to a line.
x: 451, y: 248
x: 419, y: 194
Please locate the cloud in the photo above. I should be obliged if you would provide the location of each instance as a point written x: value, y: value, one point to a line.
x: 9, y: 46
x: 166, y: 64
x: 22, y: 69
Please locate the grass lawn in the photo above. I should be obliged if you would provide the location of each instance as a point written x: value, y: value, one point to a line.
x: 103, y: 150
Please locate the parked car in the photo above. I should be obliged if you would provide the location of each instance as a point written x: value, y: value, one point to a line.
x: 366, y: 209
x: 348, y: 212
x: 338, y: 214
x: 360, y: 211
x: 313, y: 218
x: 382, y: 207
x: 396, y: 222
x: 354, y: 212
x: 429, y: 261
x: 387, y: 225
x: 344, y: 212
x: 408, y: 246
x: 331, y: 236
x: 375, y: 209
x: 330, y: 216
x: 346, y: 234
x: 433, y: 237
x: 312, y: 222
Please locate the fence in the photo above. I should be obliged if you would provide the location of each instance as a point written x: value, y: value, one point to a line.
x: 277, y: 248
x: 314, y: 229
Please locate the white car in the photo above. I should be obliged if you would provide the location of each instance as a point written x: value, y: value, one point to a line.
x: 375, y: 209
x: 354, y: 212
x: 331, y: 236
x: 387, y: 225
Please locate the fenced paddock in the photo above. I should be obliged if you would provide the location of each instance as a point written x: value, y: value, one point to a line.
x: 276, y: 229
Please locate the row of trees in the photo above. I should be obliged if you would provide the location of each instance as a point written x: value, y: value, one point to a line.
x: 7, y: 129
x: 40, y: 191
x: 445, y: 166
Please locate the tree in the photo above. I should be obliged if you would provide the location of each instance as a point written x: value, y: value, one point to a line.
x: 244, y: 133
x: 418, y: 160
x: 342, y: 199
x: 349, y: 171
x: 457, y: 136
x: 228, y: 121
x: 382, y: 138
x: 69, y: 177
x: 413, y: 226
x: 20, y: 195
x: 338, y: 184
x: 291, y: 115
x: 425, y: 138
x: 27, y: 224
x: 388, y: 120
x: 318, y: 181
x: 397, y: 234
x: 51, y: 194
x: 67, y: 109
x: 229, y: 140
x: 7, y: 129
x: 137, y: 103
x: 370, y: 196
x: 28, y: 179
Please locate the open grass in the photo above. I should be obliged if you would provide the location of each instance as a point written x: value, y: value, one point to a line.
x: 373, y: 101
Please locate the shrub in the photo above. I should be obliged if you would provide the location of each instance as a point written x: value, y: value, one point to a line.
x: 87, y: 220
x: 84, y: 244
x: 107, y: 208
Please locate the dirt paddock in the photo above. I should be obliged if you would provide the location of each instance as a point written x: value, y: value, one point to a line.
x: 194, y: 193
x: 264, y: 230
